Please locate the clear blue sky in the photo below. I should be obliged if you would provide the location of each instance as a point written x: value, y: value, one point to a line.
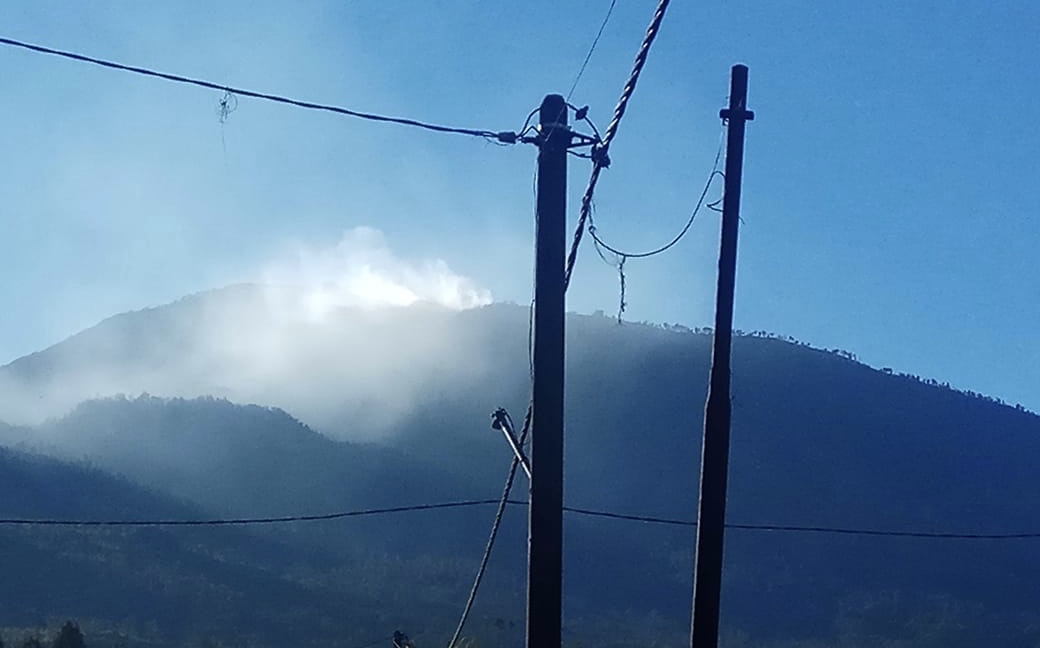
x: 891, y: 187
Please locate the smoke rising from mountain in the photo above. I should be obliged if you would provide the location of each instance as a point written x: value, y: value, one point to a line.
x: 326, y: 337
x: 362, y: 271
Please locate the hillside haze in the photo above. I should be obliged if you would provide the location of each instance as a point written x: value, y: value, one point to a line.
x: 358, y: 367
x: 359, y: 408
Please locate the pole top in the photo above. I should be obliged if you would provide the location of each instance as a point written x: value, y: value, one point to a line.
x: 553, y: 110
x: 553, y: 128
x: 737, y: 110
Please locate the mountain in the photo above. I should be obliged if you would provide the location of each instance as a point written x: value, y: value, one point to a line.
x: 243, y: 461
x: 152, y: 584
x: 390, y: 407
x: 352, y: 372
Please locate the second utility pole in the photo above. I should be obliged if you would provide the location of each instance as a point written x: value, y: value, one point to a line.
x: 545, y: 539
x: 711, y: 514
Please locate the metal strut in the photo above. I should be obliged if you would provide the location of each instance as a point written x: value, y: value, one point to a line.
x: 500, y: 420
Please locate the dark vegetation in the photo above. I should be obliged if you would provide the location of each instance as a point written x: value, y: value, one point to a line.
x: 68, y: 636
x: 818, y: 439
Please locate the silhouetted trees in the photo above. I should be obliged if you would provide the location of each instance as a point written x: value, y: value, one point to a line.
x: 69, y: 637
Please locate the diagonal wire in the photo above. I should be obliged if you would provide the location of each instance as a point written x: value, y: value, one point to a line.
x: 176, y: 78
x: 787, y: 528
x: 592, y: 48
x: 600, y: 157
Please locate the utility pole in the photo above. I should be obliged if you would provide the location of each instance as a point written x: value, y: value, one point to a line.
x: 711, y: 513
x: 545, y: 539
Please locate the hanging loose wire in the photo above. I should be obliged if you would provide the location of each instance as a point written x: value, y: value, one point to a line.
x: 622, y: 304
x: 618, y: 258
x: 712, y: 175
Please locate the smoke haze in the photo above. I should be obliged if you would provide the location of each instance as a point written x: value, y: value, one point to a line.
x: 325, y: 337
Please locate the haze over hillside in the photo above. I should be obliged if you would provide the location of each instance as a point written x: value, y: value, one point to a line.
x: 390, y: 407
x: 254, y: 344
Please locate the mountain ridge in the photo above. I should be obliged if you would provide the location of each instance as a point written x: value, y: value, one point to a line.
x: 818, y: 439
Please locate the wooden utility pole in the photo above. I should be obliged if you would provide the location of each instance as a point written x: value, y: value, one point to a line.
x: 711, y: 513
x: 545, y: 539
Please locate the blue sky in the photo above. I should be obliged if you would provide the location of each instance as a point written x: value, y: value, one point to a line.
x: 891, y: 183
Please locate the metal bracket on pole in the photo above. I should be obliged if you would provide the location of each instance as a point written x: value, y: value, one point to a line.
x: 500, y: 420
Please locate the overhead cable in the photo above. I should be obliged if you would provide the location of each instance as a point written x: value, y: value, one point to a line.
x: 592, y: 48
x: 504, y: 137
x: 783, y: 528
x: 786, y: 528
x: 244, y: 521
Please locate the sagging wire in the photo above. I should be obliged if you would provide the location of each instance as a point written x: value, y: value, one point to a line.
x: 619, y: 256
x: 714, y: 173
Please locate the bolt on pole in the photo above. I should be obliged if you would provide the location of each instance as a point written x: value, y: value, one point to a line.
x: 545, y: 534
x: 711, y: 513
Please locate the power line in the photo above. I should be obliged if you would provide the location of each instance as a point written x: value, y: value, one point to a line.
x: 885, y: 533
x: 504, y: 137
x: 246, y: 521
x: 595, y: 42
x: 624, y: 516
x: 600, y: 157
x: 784, y: 528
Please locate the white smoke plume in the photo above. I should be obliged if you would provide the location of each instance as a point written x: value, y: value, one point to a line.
x: 349, y: 339
x: 361, y: 271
